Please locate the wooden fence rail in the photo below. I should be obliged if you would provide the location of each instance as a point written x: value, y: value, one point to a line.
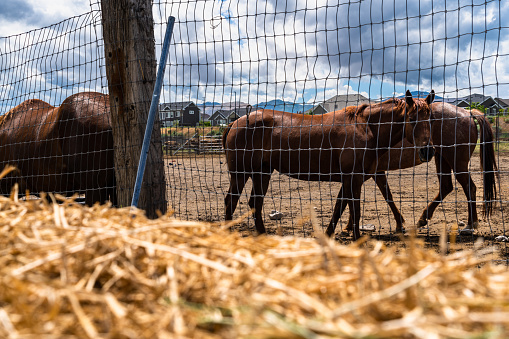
x: 199, y: 144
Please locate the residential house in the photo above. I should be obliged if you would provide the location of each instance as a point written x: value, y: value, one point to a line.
x: 223, y: 117
x: 466, y: 100
x: 204, y: 116
x: 504, y: 103
x: 179, y: 113
x: 220, y: 117
x: 339, y: 102
x: 239, y: 112
x: 492, y: 105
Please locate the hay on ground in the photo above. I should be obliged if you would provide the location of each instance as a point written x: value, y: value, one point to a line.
x: 74, y: 271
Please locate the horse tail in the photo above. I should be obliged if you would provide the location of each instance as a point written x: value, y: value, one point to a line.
x: 488, y: 163
x: 225, y: 134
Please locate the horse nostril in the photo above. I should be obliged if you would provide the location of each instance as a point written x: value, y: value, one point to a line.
x: 426, y: 153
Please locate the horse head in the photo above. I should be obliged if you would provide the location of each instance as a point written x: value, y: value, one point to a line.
x: 417, y: 128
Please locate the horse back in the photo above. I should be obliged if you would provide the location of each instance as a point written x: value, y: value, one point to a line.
x: 28, y: 141
x: 87, y: 140
x: 452, y: 126
x: 247, y: 133
x: 268, y: 129
x: 89, y: 111
x: 294, y: 144
x: 27, y: 120
x: 24, y: 127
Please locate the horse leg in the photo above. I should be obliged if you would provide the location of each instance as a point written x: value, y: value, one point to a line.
x: 349, y: 226
x: 445, y: 179
x: 237, y: 183
x: 354, y: 204
x: 112, y: 193
x: 100, y: 195
x: 470, y: 190
x: 383, y: 186
x: 340, y: 206
x: 94, y: 195
x: 344, y: 195
x: 260, y: 186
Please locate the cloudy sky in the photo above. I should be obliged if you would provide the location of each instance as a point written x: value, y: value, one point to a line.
x: 259, y: 50
x: 19, y: 16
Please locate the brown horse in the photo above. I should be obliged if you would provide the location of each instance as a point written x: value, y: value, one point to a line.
x: 454, y: 134
x: 341, y: 146
x: 65, y: 150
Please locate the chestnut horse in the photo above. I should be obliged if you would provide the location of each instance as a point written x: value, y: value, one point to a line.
x: 342, y: 146
x: 64, y: 150
x: 454, y: 134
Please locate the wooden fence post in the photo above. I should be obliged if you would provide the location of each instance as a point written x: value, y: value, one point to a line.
x: 129, y: 49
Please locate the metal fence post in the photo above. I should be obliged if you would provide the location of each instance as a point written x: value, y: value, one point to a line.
x: 152, y: 112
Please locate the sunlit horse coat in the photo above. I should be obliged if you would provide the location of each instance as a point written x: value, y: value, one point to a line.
x: 342, y: 146
x: 454, y: 134
x: 65, y: 150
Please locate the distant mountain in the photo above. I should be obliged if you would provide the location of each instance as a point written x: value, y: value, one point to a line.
x: 210, y: 103
x: 281, y: 105
x: 278, y: 105
x: 210, y: 107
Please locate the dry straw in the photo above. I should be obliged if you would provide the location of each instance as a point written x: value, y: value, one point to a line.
x: 71, y: 271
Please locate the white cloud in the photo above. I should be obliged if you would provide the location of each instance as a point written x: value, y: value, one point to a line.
x: 259, y: 52
x: 60, y: 9
x: 37, y: 14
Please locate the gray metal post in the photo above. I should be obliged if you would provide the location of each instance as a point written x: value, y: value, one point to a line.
x: 152, y: 112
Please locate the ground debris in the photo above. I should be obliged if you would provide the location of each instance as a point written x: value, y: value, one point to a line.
x: 69, y: 270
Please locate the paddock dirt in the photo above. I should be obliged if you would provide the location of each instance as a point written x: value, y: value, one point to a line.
x: 197, y: 185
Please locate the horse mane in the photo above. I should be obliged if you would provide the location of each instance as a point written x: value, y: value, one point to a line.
x: 353, y: 111
x: 400, y: 103
x: 394, y: 102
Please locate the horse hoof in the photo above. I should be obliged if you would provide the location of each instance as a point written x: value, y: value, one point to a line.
x: 469, y: 229
x: 466, y: 231
x: 400, y: 230
x: 346, y: 232
x: 422, y: 223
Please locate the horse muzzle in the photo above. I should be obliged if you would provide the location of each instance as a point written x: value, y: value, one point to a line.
x: 426, y: 153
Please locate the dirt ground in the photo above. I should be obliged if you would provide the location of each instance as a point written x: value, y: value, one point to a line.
x: 197, y: 185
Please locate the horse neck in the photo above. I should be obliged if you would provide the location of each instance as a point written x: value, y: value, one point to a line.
x: 385, y: 121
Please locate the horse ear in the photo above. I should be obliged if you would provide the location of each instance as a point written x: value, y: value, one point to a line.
x: 431, y: 97
x: 408, y: 98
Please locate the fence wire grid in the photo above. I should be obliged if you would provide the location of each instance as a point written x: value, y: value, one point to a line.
x: 230, y: 59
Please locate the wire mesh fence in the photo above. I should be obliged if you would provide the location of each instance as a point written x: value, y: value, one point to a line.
x: 317, y: 58
x: 55, y: 126
x: 231, y: 59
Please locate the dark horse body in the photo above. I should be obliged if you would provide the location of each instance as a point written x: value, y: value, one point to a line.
x: 64, y: 150
x: 454, y: 134
x: 340, y: 146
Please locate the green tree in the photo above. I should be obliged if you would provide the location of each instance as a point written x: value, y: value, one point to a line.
x: 478, y: 106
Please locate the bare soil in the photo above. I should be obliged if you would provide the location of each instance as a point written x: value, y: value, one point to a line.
x: 197, y: 185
